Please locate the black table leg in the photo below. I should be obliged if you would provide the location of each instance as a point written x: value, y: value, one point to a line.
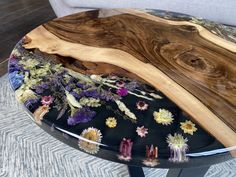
x: 187, y: 172
x: 135, y: 171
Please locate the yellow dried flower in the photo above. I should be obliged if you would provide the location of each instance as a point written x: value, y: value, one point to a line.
x: 163, y: 116
x: 188, y: 127
x: 91, y: 139
x: 111, y: 122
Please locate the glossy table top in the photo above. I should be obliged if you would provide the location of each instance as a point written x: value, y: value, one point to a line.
x: 146, y: 88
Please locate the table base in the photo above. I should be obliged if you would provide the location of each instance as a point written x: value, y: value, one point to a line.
x: 186, y: 172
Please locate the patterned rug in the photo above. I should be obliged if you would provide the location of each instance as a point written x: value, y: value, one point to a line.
x: 27, y: 151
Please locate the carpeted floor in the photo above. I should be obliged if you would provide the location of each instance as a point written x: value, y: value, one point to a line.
x: 27, y: 151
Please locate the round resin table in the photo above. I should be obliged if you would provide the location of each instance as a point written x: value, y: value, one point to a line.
x: 144, y: 88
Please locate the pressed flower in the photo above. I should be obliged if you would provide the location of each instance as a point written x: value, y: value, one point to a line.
x: 95, y: 77
x: 76, y: 93
x: 24, y: 95
x: 178, y: 147
x: 141, y: 105
x: 94, y: 136
x: 111, y: 122
x: 112, y: 76
x: 125, y: 149
x: 40, y: 112
x: 91, y: 102
x: 108, y: 96
x: 120, y: 83
x: 16, y: 79
x: 124, y: 109
x: 29, y: 63
x: 47, y: 100
x: 163, y: 116
x: 71, y: 99
x: 82, y: 115
x: 188, y: 127
x: 90, y: 93
x: 29, y: 103
x: 156, y: 96
x: 151, y: 162
x: 132, y: 85
x: 122, y: 91
x: 14, y: 65
x: 151, y: 156
x: 142, y: 131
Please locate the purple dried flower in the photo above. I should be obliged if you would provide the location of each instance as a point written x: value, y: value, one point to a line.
x: 132, y: 85
x: 44, y: 85
x: 108, y: 96
x: 79, y: 85
x: 82, y: 115
x: 76, y: 95
x: 16, y: 79
x: 14, y: 65
x: 71, y: 81
x: 39, y: 89
x: 61, y: 73
x: 90, y: 93
x: 122, y: 91
x: 68, y: 88
x: 29, y: 103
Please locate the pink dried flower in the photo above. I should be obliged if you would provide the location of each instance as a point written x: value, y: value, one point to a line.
x: 122, y: 91
x: 120, y: 84
x: 125, y: 149
x: 142, y: 131
x: 141, y: 105
x: 47, y: 100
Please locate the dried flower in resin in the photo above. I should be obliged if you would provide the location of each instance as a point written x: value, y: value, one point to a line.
x: 40, y: 112
x: 82, y: 115
x: 91, y: 137
x: 30, y: 102
x: 71, y: 99
x: 125, y: 149
x: 16, y: 79
x: 95, y: 77
x: 124, y: 109
x: 120, y: 83
x: 178, y: 147
x: 47, y: 100
x: 188, y: 127
x: 111, y: 122
x: 142, y: 131
x: 122, y: 91
x: 163, y: 117
x: 29, y: 63
x: 151, y: 156
x: 91, y: 102
x: 141, y: 105
x: 24, y: 95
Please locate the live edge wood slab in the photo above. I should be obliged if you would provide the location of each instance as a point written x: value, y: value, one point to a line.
x: 192, y: 66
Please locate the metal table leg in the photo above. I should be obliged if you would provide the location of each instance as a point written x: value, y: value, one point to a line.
x: 135, y: 171
x: 188, y: 172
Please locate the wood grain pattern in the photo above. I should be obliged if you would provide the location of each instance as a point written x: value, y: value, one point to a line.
x: 204, y: 69
x: 195, y: 73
